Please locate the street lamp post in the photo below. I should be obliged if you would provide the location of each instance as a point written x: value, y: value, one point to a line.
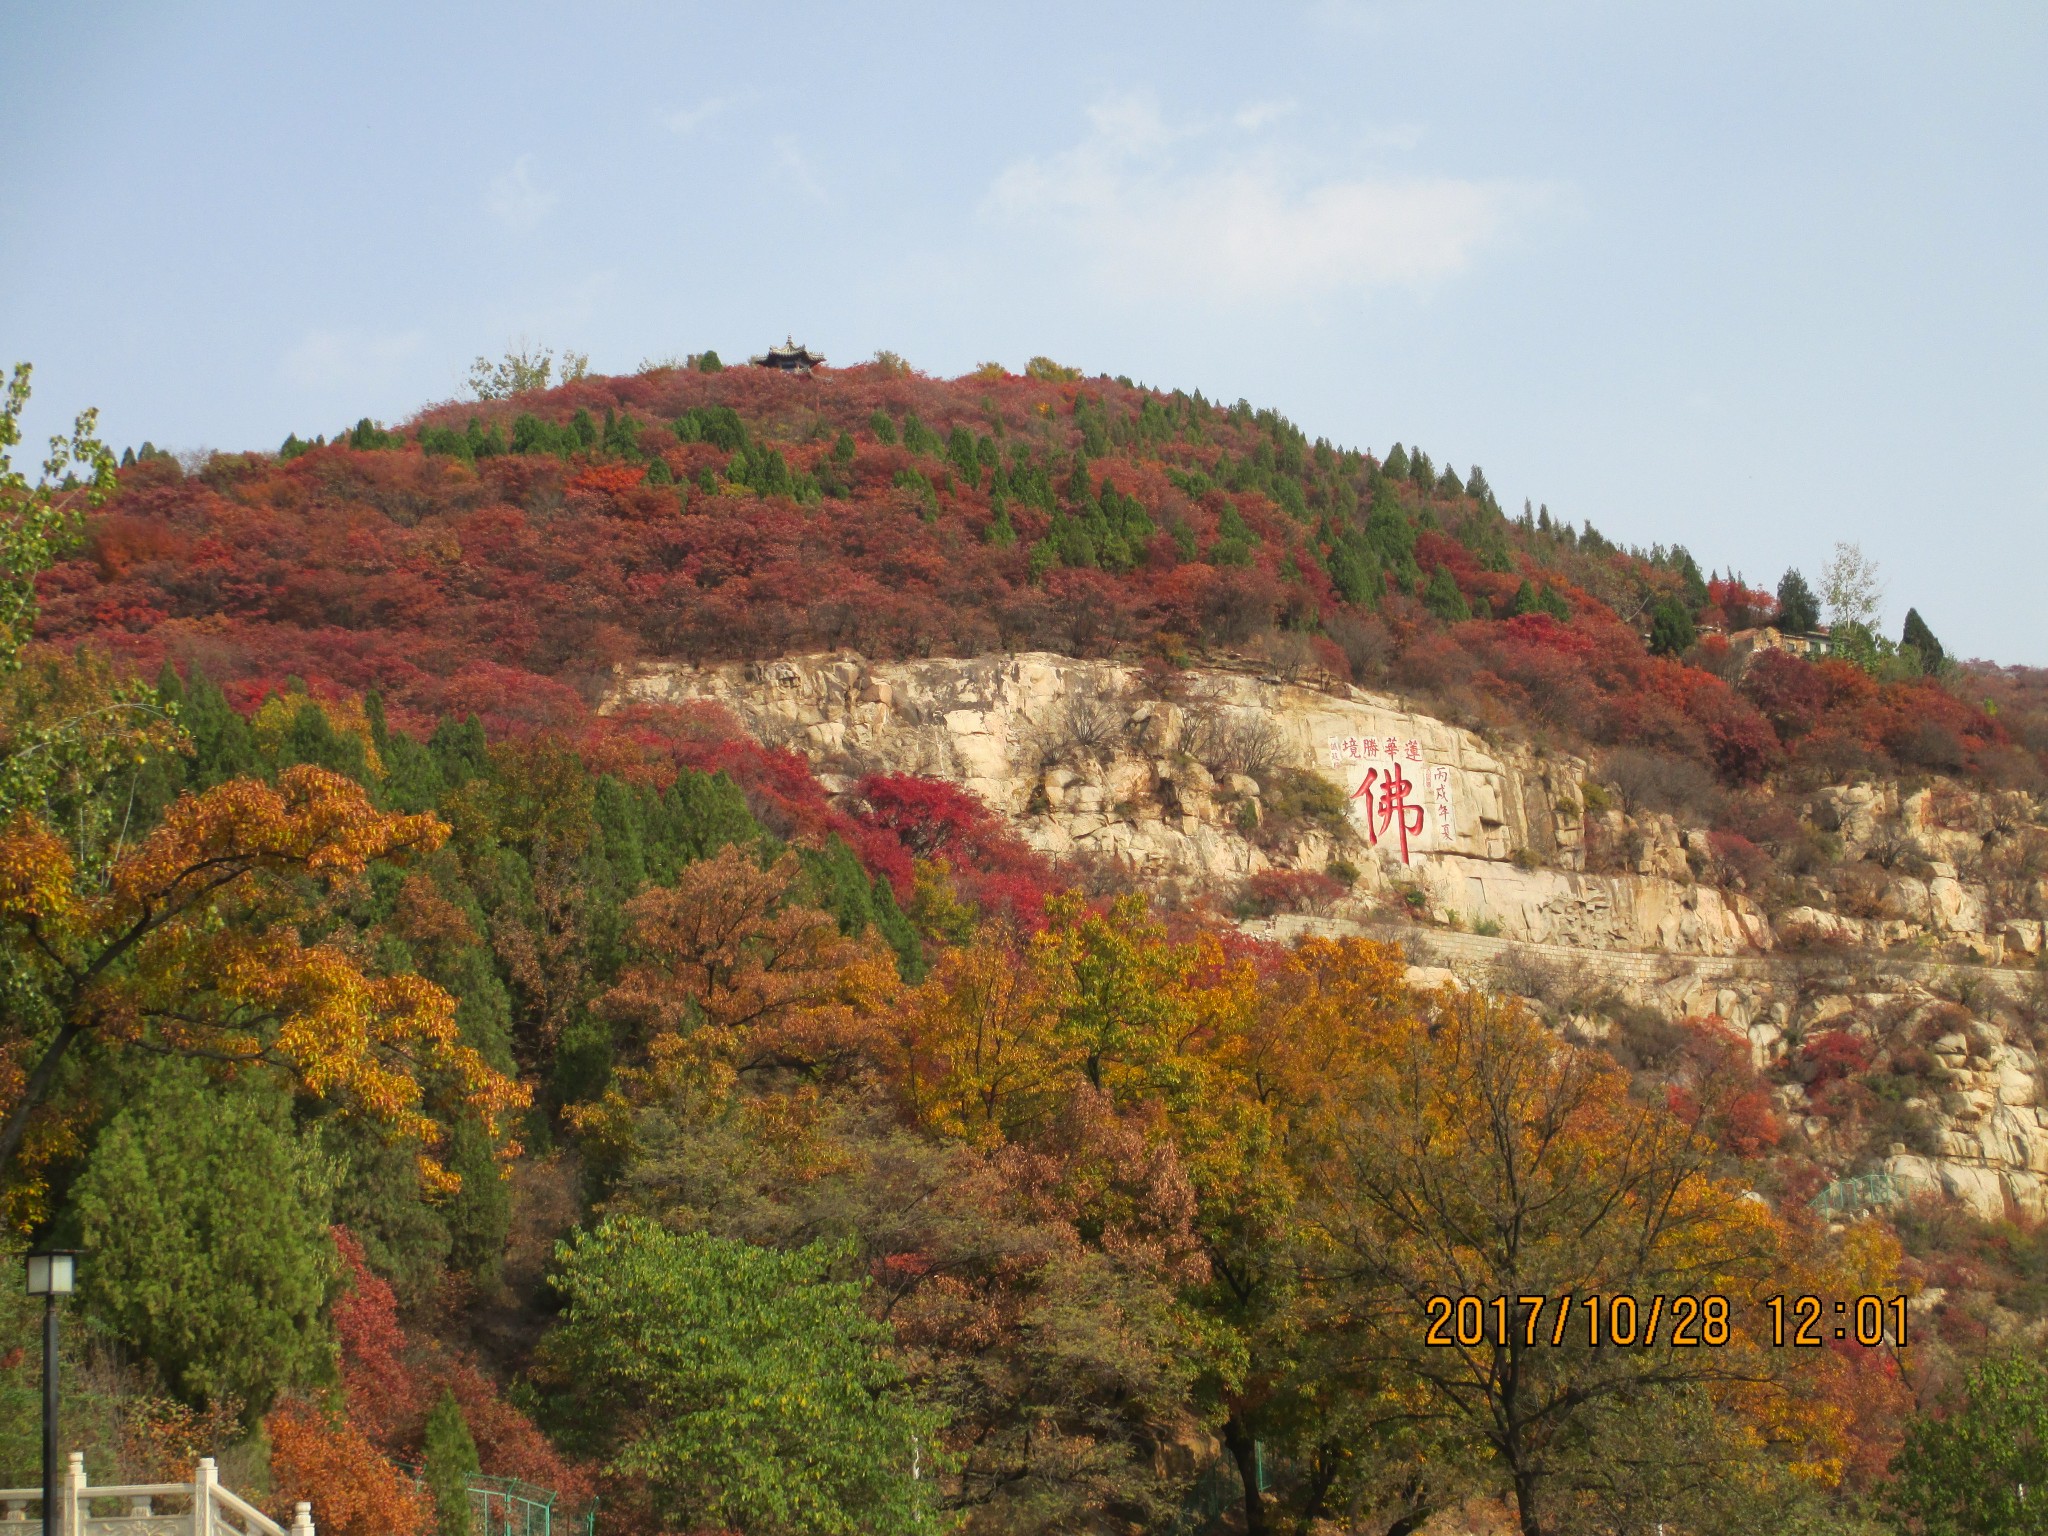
x: 51, y: 1274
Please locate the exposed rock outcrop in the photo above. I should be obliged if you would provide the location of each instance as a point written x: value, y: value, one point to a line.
x: 1204, y: 779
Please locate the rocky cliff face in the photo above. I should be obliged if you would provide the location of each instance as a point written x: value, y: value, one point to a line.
x: 1916, y: 932
x: 1218, y: 776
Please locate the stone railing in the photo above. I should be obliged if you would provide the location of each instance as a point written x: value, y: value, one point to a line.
x: 201, y: 1507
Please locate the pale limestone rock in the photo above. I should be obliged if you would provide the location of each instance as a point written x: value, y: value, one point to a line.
x: 1906, y: 898
x: 1956, y: 908
x: 1428, y: 978
x: 2022, y: 934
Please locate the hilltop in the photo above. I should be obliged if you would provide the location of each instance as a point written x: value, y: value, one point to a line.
x: 504, y: 556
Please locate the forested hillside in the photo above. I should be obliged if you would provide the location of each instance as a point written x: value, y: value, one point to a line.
x: 450, y: 1069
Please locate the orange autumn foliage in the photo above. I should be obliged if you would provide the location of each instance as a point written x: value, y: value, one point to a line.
x: 190, y: 943
x: 331, y: 1464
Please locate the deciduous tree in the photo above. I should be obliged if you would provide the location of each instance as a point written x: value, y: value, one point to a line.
x: 1492, y: 1162
x: 188, y: 944
x: 745, y: 1384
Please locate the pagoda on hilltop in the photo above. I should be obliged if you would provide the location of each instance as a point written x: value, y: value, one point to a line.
x: 789, y: 357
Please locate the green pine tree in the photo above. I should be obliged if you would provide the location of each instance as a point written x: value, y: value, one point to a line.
x: 207, y: 1219
x: 1672, y: 632
x: 1443, y: 598
x: 1798, y: 608
x: 448, y: 1460
x: 223, y: 745
x: 1921, y: 639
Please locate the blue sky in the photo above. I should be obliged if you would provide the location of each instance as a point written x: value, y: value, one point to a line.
x: 1754, y: 278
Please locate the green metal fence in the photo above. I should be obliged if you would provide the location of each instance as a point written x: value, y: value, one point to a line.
x: 506, y: 1506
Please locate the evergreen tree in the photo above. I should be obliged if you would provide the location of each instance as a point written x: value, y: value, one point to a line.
x: 1680, y: 560
x: 311, y: 738
x: 223, y: 745
x: 1798, y: 607
x: 707, y: 362
x: 1355, y: 571
x: 1921, y: 639
x: 207, y: 1223
x: 621, y: 436
x: 459, y: 750
x: 1525, y: 600
x: 1392, y: 536
x: 1395, y: 466
x: 1443, y: 598
x: 377, y: 1197
x: 1552, y: 602
x: 1234, y: 539
x: 448, y: 1460
x: 1671, y: 628
x: 479, y: 1214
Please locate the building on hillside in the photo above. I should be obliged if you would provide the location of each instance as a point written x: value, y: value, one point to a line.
x: 789, y: 357
x: 1747, y: 643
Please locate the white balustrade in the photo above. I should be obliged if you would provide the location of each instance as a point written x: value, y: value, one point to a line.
x: 133, y: 1509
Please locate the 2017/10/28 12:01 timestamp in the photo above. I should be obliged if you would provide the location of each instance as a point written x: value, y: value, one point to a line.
x: 1799, y: 1322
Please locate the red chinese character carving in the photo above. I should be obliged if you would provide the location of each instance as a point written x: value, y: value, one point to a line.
x: 1391, y: 811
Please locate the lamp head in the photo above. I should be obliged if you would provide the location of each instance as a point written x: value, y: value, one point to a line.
x: 52, y: 1272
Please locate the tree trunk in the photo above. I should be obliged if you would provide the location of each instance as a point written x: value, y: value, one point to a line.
x: 1525, y: 1503
x: 1244, y: 1451
x: 32, y: 1093
x: 1418, y: 1513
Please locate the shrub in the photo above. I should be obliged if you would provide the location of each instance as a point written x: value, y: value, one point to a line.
x: 1833, y: 1055
x: 1288, y: 890
x: 1659, y: 781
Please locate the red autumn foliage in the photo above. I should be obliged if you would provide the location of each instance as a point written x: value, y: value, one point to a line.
x: 390, y: 1381
x: 1832, y: 1055
x: 931, y: 819
x: 1290, y: 890
x: 1743, y: 607
x: 1718, y: 1091
x: 513, y: 586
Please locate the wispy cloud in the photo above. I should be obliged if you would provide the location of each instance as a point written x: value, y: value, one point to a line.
x: 1258, y: 114
x: 689, y: 119
x: 1198, y: 210
x: 356, y: 359
x: 516, y: 200
x: 791, y: 160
